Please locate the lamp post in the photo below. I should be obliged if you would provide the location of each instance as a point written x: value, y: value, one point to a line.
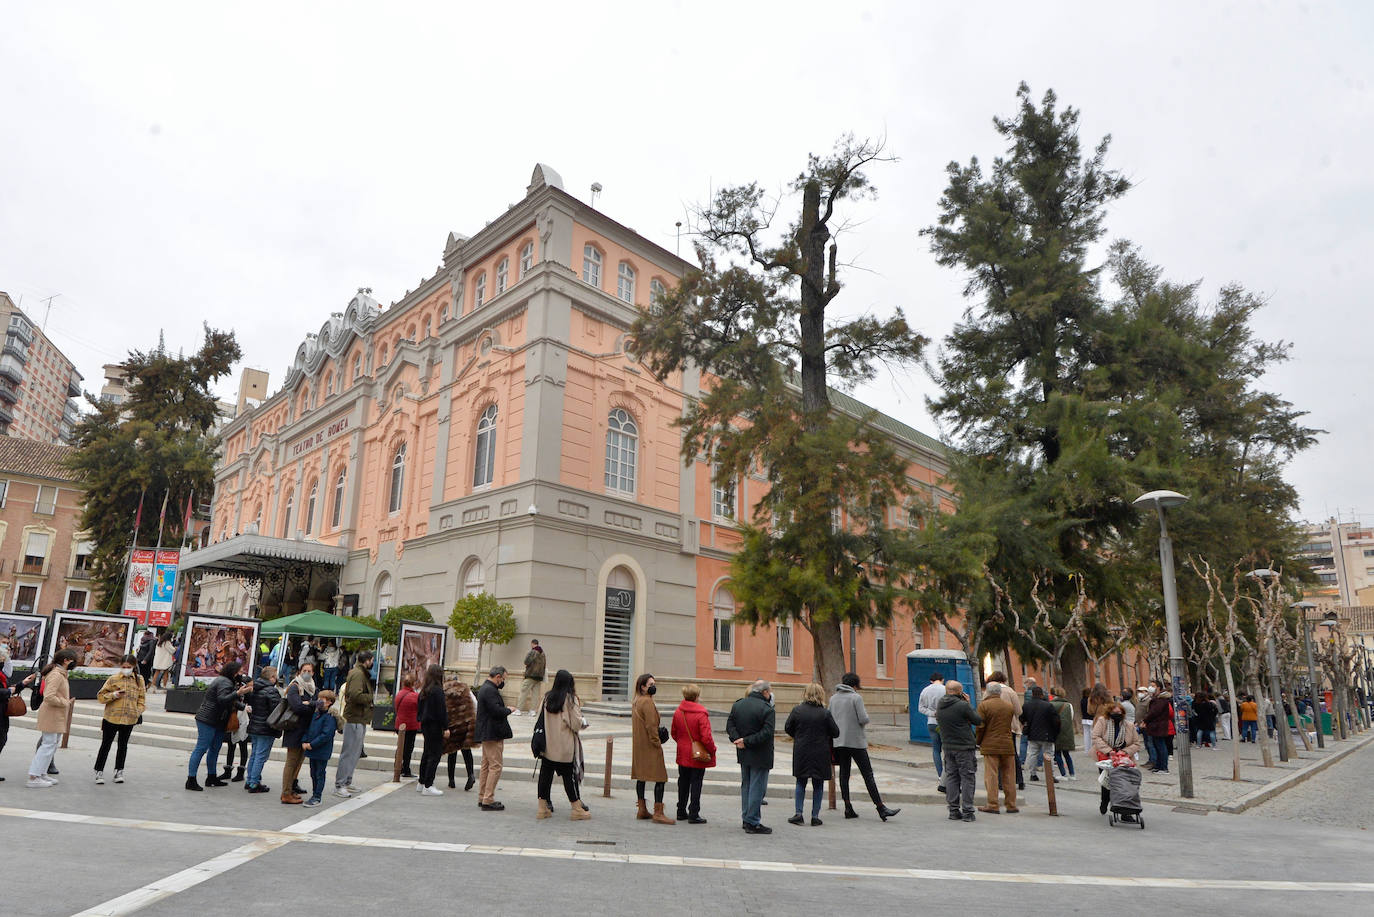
x: 1160, y: 500
x: 1312, y: 678
x: 1266, y: 576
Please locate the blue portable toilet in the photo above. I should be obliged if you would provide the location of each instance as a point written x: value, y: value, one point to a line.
x: 919, y: 666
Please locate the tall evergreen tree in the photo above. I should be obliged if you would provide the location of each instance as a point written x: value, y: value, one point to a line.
x: 753, y: 319
x: 157, y: 444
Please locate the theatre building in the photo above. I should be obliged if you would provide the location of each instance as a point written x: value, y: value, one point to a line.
x: 490, y: 432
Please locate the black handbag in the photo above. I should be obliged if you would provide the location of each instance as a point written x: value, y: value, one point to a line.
x: 539, y: 739
x: 282, y: 717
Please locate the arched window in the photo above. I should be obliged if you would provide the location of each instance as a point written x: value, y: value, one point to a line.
x: 656, y: 293
x: 381, y: 358
x: 338, y: 501
x: 329, y: 383
x: 310, y: 508
x: 484, y: 461
x: 723, y: 626
x: 305, y: 403
x: 286, y: 516
x: 357, y: 367
x: 526, y: 259
x: 591, y: 265
x: 428, y: 327
x: 410, y: 333
x: 622, y: 446
x: 398, y: 478
x: 472, y: 583
x: 479, y: 290
x: 384, y: 593
x: 502, y: 276
x: 257, y: 516
x: 625, y: 283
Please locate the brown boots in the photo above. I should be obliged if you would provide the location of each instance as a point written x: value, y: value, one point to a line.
x: 579, y: 812
x: 545, y: 811
x: 659, y: 818
x: 643, y: 811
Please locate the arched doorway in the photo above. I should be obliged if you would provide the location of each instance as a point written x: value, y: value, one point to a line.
x: 617, y: 648
x: 384, y: 595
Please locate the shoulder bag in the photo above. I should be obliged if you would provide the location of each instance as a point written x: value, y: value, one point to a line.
x: 282, y: 717
x: 15, y: 706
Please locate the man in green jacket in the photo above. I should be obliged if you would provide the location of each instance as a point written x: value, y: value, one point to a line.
x: 357, y: 714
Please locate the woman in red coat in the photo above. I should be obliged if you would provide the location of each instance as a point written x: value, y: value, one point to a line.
x: 691, y: 723
x: 408, y: 715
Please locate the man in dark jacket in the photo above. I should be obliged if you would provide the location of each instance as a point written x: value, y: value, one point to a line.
x: 531, y: 693
x: 492, y: 730
x: 1041, y: 723
x: 957, y: 720
x: 261, y: 702
x: 750, y: 727
x: 357, y: 710
x: 1158, y: 715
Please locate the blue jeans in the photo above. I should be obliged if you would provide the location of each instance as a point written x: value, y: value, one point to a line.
x: 1207, y: 737
x: 262, y: 747
x: 936, y: 747
x: 1249, y: 730
x: 753, y: 783
x: 1161, y: 755
x: 319, y: 771
x: 1025, y: 744
x: 208, y: 742
x: 331, y: 679
x: 816, y: 783
x: 1064, y: 760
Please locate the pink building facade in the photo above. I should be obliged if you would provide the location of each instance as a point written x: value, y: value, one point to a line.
x: 490, y: 432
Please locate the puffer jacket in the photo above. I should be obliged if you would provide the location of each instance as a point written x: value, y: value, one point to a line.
x: 221, y: 699
x: 262, y: 700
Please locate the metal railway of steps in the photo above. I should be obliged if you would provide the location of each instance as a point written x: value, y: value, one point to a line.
x: 178, y: 731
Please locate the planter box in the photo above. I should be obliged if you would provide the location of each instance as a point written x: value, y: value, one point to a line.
x: 384, y: 717
x: 85, y: 688
x: 185, y: 700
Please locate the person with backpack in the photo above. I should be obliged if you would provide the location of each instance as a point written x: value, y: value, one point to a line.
x: 318, y: 744
x: 262, y: 700
x: 124, y: 695
x: 52, y: 716
x: 433, y: 715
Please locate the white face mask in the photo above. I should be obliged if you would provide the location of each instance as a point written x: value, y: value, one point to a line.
x: 126, y: 671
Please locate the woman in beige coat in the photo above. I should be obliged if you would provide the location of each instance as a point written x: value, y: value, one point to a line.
x: 646, y: 751
x: 562, y: 751
x: 52, y: 716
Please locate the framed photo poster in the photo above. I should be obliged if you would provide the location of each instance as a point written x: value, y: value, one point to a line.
x: 422, y: 645
x: 100, y: 640
x: 209, y: 642
x: 24, y: 635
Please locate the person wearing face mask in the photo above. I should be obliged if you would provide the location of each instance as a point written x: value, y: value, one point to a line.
x: 300, y: 699
x: 223, y: 698
x: 1113, y: 732
x: 52, y: 716
x: 124, y: 695
x: 646, y: 758
x: 750, y: 728
x: 492, y: 730
x: 1158, y: 715
x: 263, y: 699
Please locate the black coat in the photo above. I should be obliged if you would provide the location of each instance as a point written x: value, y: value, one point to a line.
x: 303, y: 705
x: 1205, y: 715
x: 493, y: 716
x: 433, y: 709
x: 753, y: 720
x: 1041, y: 720
x: 262, y: 700
x: 221, y: 699
x: 812, y: 729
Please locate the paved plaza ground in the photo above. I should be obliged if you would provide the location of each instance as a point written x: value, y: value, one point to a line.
x: 150, y: 847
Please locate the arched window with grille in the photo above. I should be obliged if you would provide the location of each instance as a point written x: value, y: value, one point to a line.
x: 723, y: 626
x: 622, y: 451
x: 591, y: 265
x: 625, y: 283
x: 310, y: 508
x: 338, y: 501
x: 484, y: 459
x: 398, y: 478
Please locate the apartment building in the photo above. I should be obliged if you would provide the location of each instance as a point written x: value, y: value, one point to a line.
x: 39, y: 385
x: 44, y: 558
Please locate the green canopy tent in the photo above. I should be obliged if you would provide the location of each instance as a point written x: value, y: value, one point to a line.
x: 321, y: 624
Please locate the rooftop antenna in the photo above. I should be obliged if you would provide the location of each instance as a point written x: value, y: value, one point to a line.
x: 596, y: 189
x: 678, y: 224
x: 48, y: 309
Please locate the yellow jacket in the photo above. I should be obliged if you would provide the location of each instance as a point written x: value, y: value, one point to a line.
x: 127, y: 708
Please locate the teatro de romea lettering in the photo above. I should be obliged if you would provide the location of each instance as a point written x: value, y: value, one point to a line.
x: 489, y: 432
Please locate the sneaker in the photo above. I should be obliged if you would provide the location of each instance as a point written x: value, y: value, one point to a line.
x: 1034, y: 778
x: 119, y: 777
x: 431, y: 791
x: 99, y: 778
x: 970, y: 817
x: 311, y: 803
x: 38, y: 783
x: 342, y: 792
x: 796, y: 820
x: 955, y: 816
x: 353, y: 789
x: 757, y: 829
x: 51, y: 779
x: 940, y: 788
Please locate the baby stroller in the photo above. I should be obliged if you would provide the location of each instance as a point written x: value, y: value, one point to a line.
x: 1122, y: 781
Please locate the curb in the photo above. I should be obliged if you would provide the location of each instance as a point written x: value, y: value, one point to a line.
x: 1250, y: 800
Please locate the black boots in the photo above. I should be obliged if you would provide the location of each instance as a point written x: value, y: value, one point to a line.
x: 191, y: 784
x: 885, y: 813
x: 849, y: 810
x: 238, y: 776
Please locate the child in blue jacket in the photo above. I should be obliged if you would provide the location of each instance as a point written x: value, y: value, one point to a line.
x: 318, y: 743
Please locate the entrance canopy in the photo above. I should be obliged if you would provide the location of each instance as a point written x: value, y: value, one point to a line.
x: 319, y: 624
x: 260, y: 556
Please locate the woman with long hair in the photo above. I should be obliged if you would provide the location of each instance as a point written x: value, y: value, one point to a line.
x: 562, y: 722
x: 434, y: 725
x: 812, y: 729
x: 223, y: 699
x: 52, y: 716
x: 164, y: 656
x: 646, y: 750
x: 125, y: 697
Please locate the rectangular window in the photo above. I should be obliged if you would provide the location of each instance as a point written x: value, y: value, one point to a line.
x: 1368, y: 552
x: 76, y: 600
x: 723, y: 637
x: 47, y: 500
x: 4, y: 492
x: 785, y: 646
x: 880, y: 648
x: 35, y: 552
x: 26, y: 599
x: 722, y: 496
x: 81, y: 560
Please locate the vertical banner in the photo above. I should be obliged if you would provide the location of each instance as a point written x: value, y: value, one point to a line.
x: 164, y: 587
x: 139, y: 583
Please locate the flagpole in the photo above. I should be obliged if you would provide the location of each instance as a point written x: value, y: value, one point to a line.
x: 148, y: 606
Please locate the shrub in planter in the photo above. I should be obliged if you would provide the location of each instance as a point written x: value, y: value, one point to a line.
x: 384, y: 717
x: 85, y: 686
x: 187, y: 699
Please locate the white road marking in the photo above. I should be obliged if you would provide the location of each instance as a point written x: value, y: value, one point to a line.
x: 265, y: 841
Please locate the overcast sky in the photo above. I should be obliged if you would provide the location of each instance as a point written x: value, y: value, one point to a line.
x: 251, y: 165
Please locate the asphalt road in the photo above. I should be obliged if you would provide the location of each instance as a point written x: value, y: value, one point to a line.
x: 150, y: 847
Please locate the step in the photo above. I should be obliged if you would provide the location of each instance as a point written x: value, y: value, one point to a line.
x: 719, y: 781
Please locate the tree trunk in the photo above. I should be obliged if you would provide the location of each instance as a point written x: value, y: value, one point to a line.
x: 1253, y: 686
x: 1235, y: 720
x: 828, y: 649
x: 1074, y: 674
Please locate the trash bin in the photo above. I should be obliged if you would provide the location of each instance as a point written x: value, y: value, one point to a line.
x: 919, y: 666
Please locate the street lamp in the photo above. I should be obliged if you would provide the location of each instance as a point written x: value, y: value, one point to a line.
x: 1266, y: 576
x: 1312, y: 679
x: 1160, y: 500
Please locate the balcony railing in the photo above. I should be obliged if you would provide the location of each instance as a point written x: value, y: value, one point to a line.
x: 82, y: 573
x: 21, y: 329
x: 11, y: 369
x: 16, y: 349
x: 29, y: 568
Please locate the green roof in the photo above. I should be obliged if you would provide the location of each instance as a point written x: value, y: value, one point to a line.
x: 319, y: 624
x: 856, y: 408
